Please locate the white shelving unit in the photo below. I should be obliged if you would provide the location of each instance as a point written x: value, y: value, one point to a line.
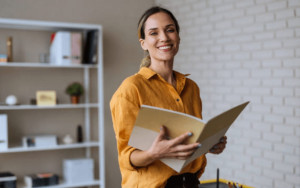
x: 86, y: 106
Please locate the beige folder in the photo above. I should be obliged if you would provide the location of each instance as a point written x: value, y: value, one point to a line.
x: 150, y: 119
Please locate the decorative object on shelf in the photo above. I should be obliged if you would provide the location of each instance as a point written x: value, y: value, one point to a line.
x: 75, y: 90
x: 3, y: 133
x: 66, y: 48
x: 41, y: 179
x: 78, y: 170
x: 68, y: 139
x: 40, y: 141
x: 8, y: 180
x: 3, y: 58
x: 9, y: 47
x: 79, y: 134
x: 46, y: 98
x: 33, y: 101
x: 11, y: 100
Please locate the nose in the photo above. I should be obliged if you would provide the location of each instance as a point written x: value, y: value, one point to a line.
x: 163, y: 36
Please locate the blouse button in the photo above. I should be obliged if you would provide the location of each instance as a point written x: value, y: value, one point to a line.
x: 177, y: 100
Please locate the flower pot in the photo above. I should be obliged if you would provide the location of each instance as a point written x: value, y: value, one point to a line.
x: 75, y: 99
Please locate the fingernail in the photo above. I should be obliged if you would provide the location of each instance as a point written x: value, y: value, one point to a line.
x: 190, y: 134
x: 199, y: 145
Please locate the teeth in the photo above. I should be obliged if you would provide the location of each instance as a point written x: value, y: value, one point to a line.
x: 164, y: 47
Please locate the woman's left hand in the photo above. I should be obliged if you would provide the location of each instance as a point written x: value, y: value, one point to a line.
x: 219, y: 147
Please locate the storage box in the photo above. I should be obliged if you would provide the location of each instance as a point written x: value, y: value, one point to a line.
x: 3, y: 132
x: 7, y: 180
x: 42, y: 179
x: 78, y: 170
x: 40, y: 141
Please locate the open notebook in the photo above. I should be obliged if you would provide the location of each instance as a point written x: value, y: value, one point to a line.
x: 150, y: 119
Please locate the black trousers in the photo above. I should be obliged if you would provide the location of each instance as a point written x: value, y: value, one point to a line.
x: 186, y: 180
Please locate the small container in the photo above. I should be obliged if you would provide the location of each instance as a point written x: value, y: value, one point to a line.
x: 78, y: 170
x: 7, y: 180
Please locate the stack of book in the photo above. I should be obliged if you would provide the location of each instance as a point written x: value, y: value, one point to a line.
x: 69, y: 48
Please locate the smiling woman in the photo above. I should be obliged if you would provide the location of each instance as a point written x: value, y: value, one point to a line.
x: 157, y: 84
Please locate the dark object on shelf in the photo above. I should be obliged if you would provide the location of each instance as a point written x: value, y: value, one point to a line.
x: 90, y: 48
x: 43, y: 179
x: 9, y: 46
x: 7, y: 180
x: 79, y: 134
x: 33, y: 101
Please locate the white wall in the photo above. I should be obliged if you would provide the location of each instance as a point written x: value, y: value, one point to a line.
x: 247, y: 50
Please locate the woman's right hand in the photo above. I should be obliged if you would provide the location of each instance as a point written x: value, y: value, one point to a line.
x: 162, y: 147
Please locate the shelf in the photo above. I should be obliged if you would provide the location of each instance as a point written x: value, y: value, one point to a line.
x: 91, y: 73
x: 44, y: 65
x: 58, y: 147
x: 58, y: 106
x: 46, y: 26
x: 64, y: 185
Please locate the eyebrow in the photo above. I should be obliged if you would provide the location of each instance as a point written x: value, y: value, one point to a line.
x: 151, y: 29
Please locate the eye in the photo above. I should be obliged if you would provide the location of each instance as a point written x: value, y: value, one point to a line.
x: 171, y: 30
x: 153, y: 33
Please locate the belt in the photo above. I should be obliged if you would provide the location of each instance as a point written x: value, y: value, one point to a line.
x: 186, y: 180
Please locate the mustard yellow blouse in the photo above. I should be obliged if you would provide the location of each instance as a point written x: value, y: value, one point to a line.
x: 149, y: 88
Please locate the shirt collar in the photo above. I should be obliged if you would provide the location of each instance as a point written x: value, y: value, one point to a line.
x: 180, y: 78
x: 148, y: 73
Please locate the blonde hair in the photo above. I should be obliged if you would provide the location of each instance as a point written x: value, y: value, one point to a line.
x: 146, y: 61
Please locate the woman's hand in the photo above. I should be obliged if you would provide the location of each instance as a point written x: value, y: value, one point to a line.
x: 162, y: 147
x: 219, y: 147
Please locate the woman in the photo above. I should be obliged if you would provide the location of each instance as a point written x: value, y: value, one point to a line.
x: 156, y: 84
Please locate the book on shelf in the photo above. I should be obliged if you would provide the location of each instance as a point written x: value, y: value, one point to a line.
x: 150, y: 119
x: 90, y: 47
x: 66, y: 48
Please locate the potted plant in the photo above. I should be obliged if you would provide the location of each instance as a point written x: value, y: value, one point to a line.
x: 75, y: 90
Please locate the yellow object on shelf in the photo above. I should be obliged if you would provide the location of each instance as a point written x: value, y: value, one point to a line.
x: 222, y: 184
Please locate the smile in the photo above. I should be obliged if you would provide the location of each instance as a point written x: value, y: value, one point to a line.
x: 164, y: 47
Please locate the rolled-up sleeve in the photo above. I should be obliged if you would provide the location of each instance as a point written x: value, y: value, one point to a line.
x: 124, y: 113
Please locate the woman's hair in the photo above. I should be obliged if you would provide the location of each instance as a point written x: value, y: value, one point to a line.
x: 146, y: 61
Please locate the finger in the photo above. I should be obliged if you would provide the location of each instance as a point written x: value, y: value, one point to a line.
x: 184, y: 147
x: 162, y: 133
x: 217, y: 149
x: 223, y: 139
x: 181, y: 138
x: 181, y: 155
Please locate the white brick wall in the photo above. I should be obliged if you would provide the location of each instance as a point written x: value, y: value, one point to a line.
x: 238, y: 50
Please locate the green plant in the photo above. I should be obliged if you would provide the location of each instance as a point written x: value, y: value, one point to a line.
x: 75, y: 89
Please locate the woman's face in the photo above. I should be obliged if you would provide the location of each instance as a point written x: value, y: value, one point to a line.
x: 161, y: 38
